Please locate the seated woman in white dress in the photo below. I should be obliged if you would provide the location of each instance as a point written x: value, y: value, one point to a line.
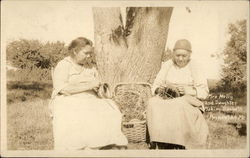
x: 178, y: 123
x: 82, y: 120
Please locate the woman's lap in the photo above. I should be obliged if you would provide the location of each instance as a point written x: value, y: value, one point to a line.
x: 88, y: 121
x: 175, y: 121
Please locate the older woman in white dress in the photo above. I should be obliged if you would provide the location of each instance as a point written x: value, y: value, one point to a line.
x: 81, y: 120
x: 178, y: 123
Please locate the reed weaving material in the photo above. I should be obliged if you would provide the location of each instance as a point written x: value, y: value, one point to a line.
x: 169, y: 92
x: 132, y: 100
x: 104, y: 91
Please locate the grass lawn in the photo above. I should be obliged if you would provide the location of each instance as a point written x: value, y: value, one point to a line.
x: 29, y: 127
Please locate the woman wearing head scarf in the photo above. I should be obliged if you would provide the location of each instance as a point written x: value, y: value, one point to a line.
x: 82, y: 120
x: 178, y: 123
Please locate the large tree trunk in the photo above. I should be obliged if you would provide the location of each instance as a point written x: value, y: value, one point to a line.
x: 130, y: 53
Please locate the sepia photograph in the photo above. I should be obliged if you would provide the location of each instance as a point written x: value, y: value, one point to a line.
x: 124, y: 78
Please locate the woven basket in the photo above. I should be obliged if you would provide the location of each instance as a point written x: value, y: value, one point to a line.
x: 135, y: 131
x: 132, y: 100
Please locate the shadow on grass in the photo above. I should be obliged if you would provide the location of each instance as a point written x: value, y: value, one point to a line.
x: 240, y: 127
x: 21, y: 91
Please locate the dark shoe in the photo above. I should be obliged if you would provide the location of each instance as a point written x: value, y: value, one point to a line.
x: 114, y: 147
x: 175, y: 146
x: 170, y: 146
x: 153, y: 145
x: 179, y: 147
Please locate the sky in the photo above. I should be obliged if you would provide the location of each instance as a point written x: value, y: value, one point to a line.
x: 205, y: 26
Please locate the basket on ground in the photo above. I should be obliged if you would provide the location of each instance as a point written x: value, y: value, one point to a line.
x: 132, y: 99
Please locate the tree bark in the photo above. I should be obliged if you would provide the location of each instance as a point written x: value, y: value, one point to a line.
x: 134, y: 56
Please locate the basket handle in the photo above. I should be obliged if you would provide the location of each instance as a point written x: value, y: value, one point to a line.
x: 129, y: 83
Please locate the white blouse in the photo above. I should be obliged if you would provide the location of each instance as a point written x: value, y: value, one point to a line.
x: 189, y: 75
x: 67, y: 72
x: 178, y: 75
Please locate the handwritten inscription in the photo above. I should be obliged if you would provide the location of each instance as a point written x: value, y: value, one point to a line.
x: 220, y: 96
x: 223, y: 107
x: 227, y: 117
x: 220, y: 99
x: 218, y: 102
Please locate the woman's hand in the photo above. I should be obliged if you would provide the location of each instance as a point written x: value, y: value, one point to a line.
x: 95, y: 84
x: 65, y: 93
x: 189, y: 90
x: 181, y: 90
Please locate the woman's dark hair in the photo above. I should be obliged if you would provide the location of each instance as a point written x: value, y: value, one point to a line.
x: 77, y: 44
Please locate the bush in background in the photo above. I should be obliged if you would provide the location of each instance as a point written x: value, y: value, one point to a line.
x: 32, y: 54
x: 234, y: 72
x: 168, y: 54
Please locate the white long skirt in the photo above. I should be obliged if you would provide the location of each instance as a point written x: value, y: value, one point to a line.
x: 83, y: 120
x: 176, y: 121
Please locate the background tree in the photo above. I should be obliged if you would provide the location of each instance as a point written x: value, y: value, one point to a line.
x: 132, y: 52
x: 234, y: 74
x: 33, y: 59
x: 29, y: 54
x: 23, y: 53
